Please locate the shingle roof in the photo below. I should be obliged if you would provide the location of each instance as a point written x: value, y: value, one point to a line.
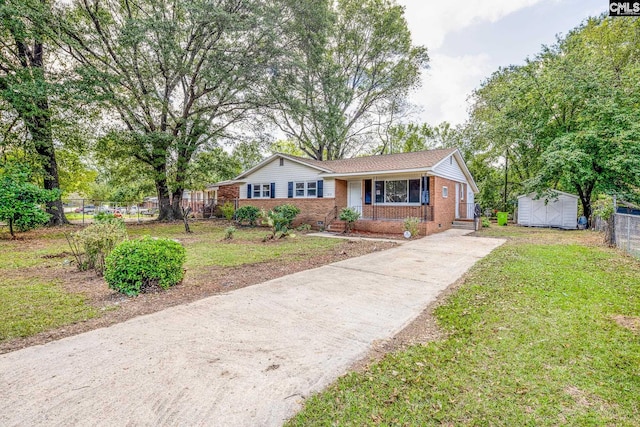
x: 387, y: 162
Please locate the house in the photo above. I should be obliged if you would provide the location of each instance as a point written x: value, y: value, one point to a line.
x: 560, y: 211
x: 434, y: 186
x: 205, y: 202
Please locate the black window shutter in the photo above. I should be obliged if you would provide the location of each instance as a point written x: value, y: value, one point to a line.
x: 379, y: 191
x: 320, y: 189
x: 273, y: 190
x: 290, y: 189
x: 249, y: 191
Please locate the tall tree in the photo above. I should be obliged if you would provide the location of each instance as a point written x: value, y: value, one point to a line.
x: 568, y: 119
x: 178, y: 75
x: 349, y: 64
x: 24, y: 86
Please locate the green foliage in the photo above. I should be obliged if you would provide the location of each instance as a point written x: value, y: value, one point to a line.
x: 486, y: 222
x: 350, y: 216
x: 279, y: 220
x: 303, y: 227
x: 20, y: 199
x: 568, y: 119
x: 92, y: 245
x: 231, y: 48
x: 228, y: 232
x: 137, y: 266
x: 228, y: 210
x: 348, y: 63
x: 603, y: 207
x: 104, y: 217
x: 288, y: 213
x: 411, y: 225
x: 248, y: 214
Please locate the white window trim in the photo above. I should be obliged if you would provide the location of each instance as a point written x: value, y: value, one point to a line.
x: 306, y: 189
x: 262, y: 196
x: 384, y: 196
x: 445, y: 192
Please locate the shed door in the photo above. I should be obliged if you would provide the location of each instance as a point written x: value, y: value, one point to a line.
x: 554, y: 213
x: 538, y: 212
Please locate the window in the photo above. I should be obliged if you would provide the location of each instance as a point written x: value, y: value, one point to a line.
x: 397, y: 191
x: 311, y: 188
x: 306, y: 189
x: 281, y: 161
x: 445, y: 192
x: 261, y: 191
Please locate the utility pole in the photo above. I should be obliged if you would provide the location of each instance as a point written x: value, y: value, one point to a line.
x: 506, y: 179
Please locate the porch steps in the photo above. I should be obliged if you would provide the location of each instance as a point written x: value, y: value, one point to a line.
x: 336, y: 226
x: 463, y: 224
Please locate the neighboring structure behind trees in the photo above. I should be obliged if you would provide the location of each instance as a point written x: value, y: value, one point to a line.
x: 434, y: 185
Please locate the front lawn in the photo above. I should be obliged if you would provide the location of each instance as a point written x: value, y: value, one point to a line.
x: 543, y: 331
x: 43, y: 296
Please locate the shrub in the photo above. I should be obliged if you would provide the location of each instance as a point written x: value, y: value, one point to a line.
x: 228, y: 210
x: 20, y: 199
x: 137, y: 266
x: 287, y: 212
x: 411, y: 225
x: 228, y: 232
x: 104, y: 217
x: 303, y: 227
x: 278, y: 222
x: 91, y: 246
x: 486, y: 222
x: 249, y: 214
x: 350, y: 216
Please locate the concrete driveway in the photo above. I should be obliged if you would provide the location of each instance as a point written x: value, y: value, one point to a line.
x: 246, y: 358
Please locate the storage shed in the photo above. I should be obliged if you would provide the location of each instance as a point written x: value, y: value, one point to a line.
x: 548, y: 211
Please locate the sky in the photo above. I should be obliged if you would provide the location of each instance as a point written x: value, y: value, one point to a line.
x: 467, y: 41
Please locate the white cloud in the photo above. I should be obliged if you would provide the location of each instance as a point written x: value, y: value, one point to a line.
x: 450, y: 80
x: 447, y: 85
x: 430, y: 21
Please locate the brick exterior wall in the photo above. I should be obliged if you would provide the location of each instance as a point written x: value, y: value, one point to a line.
x: 444, y: 210
x: 228, y: 193
x: 341, y: 194
x: 311, y: 210
x: 314, y: 210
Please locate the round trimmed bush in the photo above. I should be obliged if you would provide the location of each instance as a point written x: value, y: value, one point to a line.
x: 137, y: 266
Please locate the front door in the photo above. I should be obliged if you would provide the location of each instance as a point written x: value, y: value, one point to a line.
x: 355, y: 196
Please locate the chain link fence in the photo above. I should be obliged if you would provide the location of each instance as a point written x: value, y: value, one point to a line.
x: 627, y: 233
x: 83, y: 211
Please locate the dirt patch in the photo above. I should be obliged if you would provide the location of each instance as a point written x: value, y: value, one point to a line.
x: 115, y: 308
x: 630, y: 322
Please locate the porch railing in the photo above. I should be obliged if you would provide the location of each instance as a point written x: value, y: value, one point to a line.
x: 465, y: 211
x: 391, y: 212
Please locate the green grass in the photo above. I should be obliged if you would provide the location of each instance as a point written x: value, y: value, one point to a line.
x: 531, y: 341
x: 31, y: 306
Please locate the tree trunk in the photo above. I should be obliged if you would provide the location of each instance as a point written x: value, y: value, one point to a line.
x: 586, y: 208
x: 39, y: 126
x: 37, y: 118
x: 176, y: 203
x: 164, y: 201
